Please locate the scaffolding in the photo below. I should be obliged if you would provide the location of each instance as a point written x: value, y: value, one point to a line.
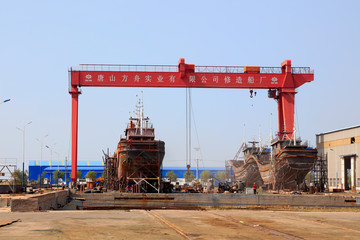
x: 7, y: 168
x: 230, y: 176
x: 136, y: 167
x: 111, y: 180
x: 321, y: 172
x: 142, y: 161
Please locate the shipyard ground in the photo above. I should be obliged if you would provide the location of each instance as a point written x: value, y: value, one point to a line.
x: 182, y: 224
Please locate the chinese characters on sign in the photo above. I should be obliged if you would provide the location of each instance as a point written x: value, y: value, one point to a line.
x: 227, y: 79
x: 251, y: 80
x: 172, y: 79
x: 136, y: 78
x: 156, y: 79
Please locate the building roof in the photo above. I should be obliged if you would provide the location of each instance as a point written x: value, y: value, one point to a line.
x: 92, y: 164
x: 194, y: 168
x: 55, y: 163
x: 338, y: 130
x: 80, y: 168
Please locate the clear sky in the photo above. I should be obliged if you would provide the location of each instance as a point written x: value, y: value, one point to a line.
x: 40, y: 40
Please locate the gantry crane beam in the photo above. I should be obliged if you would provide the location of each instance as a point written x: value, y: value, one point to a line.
x: 281, y: 82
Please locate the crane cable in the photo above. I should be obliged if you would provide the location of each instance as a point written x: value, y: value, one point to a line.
x: 188, y: 128
x: 197, y: 136
x: 190, y: 116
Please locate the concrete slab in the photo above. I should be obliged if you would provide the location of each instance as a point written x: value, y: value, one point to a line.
x: 111, y: 200
x: 212, y: 224
x: 5, y: 222
x: 24, y: 205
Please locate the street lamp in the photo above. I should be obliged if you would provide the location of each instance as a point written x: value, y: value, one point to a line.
x: 197, y: 167
x: 41, y: 156
x: 7, y: 100
x: 23, y: 163
x: 58, y: 171
x: 51, y: 150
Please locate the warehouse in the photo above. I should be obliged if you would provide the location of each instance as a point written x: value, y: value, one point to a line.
x: 342, y: 150
x: 49, y: 167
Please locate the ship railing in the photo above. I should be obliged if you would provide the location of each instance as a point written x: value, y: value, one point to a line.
x: 148, y: 126
x: 290, y: 141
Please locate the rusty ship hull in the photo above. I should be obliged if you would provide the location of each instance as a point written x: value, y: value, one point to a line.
x: 285, y: 169
x: 140, y: 164
x: 291, y: 166
x: 136, y: 166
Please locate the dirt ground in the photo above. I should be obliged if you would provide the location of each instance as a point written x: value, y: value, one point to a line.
x: 180, y: 224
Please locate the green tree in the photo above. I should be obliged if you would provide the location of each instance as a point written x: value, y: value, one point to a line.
x: 349, y: 178
x: 58, y: 174
x: 205, y: 175
x: 79, y: 174
x: 90, y: 174
x: 172, y: 176
x: 16, y: 177
x: 221, y: 176
x: 309, y: 177
x: 42, y: 177
x: 189, y: 176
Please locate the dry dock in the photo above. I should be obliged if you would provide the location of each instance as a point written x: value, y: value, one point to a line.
x: 172, y: 216
x: 117, y: 200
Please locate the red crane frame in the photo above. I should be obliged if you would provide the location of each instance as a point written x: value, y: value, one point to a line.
x: 281, y: 82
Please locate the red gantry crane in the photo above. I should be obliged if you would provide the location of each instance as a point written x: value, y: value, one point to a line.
x: 281, y: 83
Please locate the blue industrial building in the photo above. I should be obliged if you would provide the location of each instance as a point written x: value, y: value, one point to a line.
x: 35, y: 169
x: 180, y: 171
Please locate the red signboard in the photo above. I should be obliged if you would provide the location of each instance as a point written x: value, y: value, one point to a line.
x: 172, y: 79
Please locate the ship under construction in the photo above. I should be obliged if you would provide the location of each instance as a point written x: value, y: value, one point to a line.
x: 283, y: 165
x: 136, y: 165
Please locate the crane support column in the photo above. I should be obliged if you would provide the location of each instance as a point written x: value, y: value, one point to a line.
x: 286, y: 106
x: 286, y: 102
x: 74, y: 123
x: 280, y: 116
x: 74, y: 132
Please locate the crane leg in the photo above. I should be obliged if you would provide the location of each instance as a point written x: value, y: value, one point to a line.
x: 74, y: 132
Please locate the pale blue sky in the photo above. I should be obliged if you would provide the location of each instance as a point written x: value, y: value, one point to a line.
x: 40, y: 40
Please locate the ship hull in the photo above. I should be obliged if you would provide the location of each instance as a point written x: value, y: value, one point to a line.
x: 248, y: 173
x: 291, y: 167
x: 287, y: 170
x: 140, y: 160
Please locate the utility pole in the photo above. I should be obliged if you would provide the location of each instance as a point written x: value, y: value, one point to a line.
x: 51, y: 150
x: 41, y: 156
x: 65, y: 169
x: 58, y: 171
x: 197, y: 166
x: 23, y: 163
